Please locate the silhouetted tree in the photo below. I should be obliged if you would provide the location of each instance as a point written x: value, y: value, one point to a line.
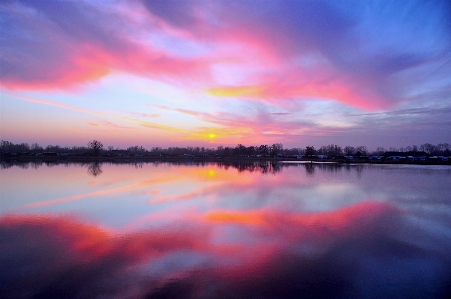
x: 263, y: 150
x: 361, y: 151
x: 310, y: 152
x: 95, y: 146
x: 331, y: 150
x: 36, y: 147
x: 380, y: 150
x: 239, y: 150
x: 275, y: 149
x: 349, y: 150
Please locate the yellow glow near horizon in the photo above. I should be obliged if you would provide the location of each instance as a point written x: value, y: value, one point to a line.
x: 211, y: 135
x: 234, y: 91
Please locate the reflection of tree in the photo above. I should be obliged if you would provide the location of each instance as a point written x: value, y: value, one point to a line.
x: 94, y: 169
x: 5, y: 165
x: 255, y: 166
x: 36, y: 164
x: 359, y: 169
x: 310, y: 169
x: 51, y: 163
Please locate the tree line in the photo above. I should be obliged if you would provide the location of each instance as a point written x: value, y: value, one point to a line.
x: 240, y: 150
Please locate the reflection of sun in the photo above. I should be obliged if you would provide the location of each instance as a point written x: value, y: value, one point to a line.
x: 211, y: 173
x: 211, y: 135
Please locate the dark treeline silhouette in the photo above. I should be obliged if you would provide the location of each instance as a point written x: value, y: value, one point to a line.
x: 430, y: 149
x: 266, y: 151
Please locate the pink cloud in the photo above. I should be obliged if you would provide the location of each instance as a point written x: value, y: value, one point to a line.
x: 311, y: 53
x: 91, y: 62
x: 284, y: 83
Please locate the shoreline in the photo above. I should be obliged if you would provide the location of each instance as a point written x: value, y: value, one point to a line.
x: 211, y: 159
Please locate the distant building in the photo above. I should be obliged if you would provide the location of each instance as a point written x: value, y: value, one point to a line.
x: 119, y: 152
x: 50, y: 154
x: 405, y: 154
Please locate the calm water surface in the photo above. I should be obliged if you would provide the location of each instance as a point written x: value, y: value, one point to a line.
x: 244, y: 230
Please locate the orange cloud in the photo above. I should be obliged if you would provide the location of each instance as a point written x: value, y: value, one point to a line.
x: 337, y: 90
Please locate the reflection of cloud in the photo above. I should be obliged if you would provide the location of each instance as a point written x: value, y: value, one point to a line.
x: 61, y: 258
x: 328, y: 222
x: 225, y: 183
x: 186, y: 196
x: 366, y: 250
x: 142, y: 184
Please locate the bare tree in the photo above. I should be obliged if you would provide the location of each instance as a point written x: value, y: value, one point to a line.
x: 310, y: 152
x: 349, y: 150
x: 95, y: 146
x: 275, y: 149
x: 361, y: 151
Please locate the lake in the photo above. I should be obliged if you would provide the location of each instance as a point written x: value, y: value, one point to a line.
x: 218, y: 230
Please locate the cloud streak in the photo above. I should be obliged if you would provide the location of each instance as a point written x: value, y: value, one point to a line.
x: 256, y: 122
x: 83, y: 110
x: 284, y: 51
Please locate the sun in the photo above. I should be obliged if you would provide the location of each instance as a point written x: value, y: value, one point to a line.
x: 211, y: 173
x: 211, y: 135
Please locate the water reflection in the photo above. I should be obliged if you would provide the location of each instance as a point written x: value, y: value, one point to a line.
x: 224, y: 230
x: 310, y: 169
x: 94, y: 169
x: 264, y: 167
x: 365, y: 251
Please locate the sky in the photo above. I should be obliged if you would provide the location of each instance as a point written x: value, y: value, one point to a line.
x: 219, y: 73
